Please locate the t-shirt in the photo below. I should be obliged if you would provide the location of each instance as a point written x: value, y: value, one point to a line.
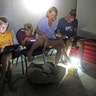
x: 6, y: 39
x: 66, y: 28
x: 44, y: 27
x: 28, y: 42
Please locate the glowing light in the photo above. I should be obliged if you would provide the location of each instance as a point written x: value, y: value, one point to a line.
x: 71, y: 67
x: 74, y: 62
x: 37, y: 6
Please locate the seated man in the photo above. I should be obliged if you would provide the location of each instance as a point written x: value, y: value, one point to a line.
x: 6, y: 39
x: 29, y: 40
x: 67, y: 29
x: 46, y: 27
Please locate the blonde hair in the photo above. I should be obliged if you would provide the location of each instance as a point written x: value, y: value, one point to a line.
x: 52, y: 9
x: 28, y: 26
x: 3, y: 20
x: 73, y: 12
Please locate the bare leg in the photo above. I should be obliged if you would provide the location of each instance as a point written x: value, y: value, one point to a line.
x: 59, y: 46
x: 58, y: 54
x: 4, y: 60
x: 36, y: 44
x: 80, y: 44
x: 68, y: 46
x: 9, y: 77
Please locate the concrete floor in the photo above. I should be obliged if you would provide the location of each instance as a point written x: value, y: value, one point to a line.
x: 82, y: 84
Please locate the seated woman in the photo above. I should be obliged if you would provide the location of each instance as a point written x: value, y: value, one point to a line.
x: 46, y: 27
x: 29, y: 40
x: 6, y: 39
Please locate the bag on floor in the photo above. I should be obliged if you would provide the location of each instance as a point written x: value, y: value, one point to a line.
x: 45, y: 73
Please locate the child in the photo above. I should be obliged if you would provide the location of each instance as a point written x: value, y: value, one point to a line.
x: 6, y: 39
x: 29, y: 40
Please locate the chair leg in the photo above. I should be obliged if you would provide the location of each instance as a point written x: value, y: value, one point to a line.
x: 22, y: 64
x: 26, y: 63
x: 44, y: 58
x: 51, y: 52
x: 17, y: 61
x: 12, y: 61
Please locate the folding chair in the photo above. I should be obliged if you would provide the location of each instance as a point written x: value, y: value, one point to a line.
x: 36, y: 52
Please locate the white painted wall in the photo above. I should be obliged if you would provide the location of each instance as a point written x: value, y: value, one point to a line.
x: 86, y: 14
x: 17, y: 13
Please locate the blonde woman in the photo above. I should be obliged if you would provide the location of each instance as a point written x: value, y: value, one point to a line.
x: 47, y: 27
